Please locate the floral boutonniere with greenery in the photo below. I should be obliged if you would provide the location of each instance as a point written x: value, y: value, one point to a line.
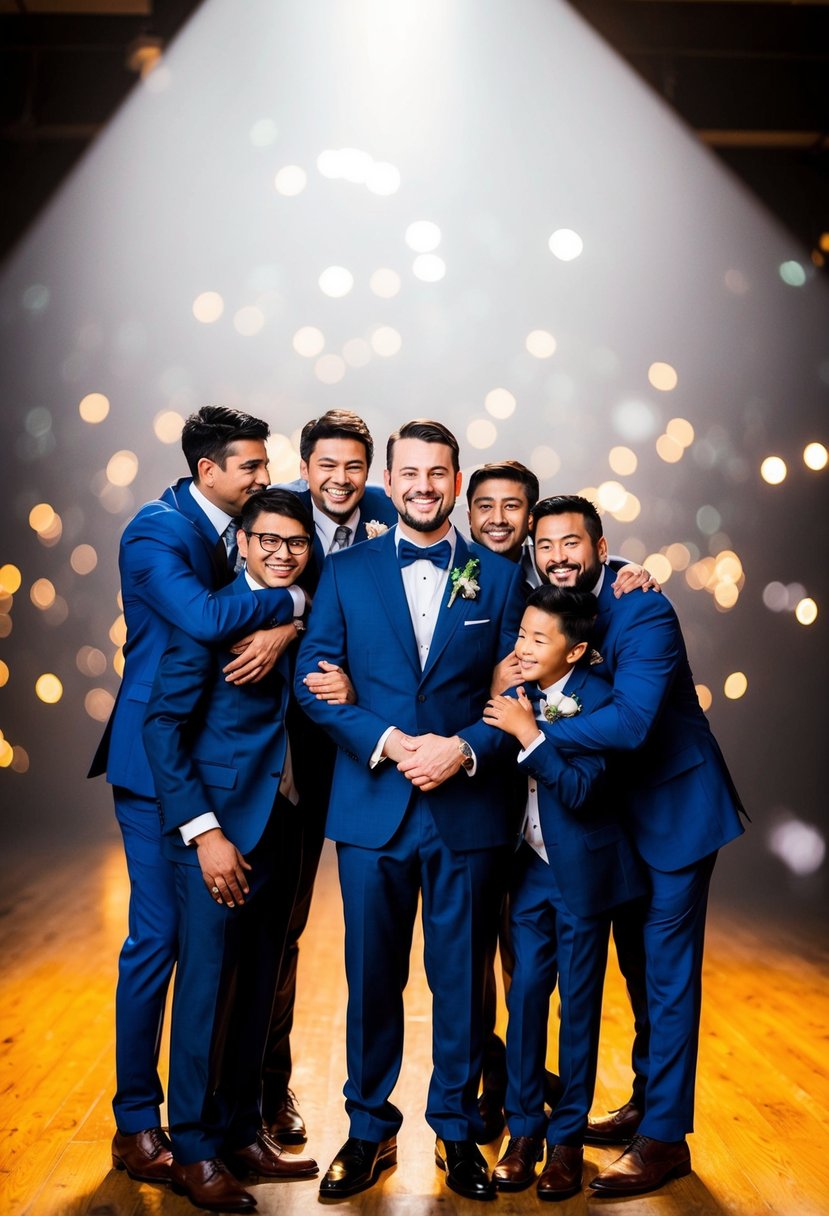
x: 464, y: 582
x: 375, y: 528
x: 563, y: 707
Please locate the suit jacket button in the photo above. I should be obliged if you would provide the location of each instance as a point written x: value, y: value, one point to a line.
x: 421, y: 696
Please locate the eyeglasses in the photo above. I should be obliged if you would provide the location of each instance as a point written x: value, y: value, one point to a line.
x: 271, y: 543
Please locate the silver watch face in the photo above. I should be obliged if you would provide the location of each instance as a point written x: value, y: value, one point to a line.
x: 465, y: 749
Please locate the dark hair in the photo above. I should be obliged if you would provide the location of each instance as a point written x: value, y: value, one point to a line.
x: 278, y: 502
x: 508, y: 470
x: 211, y: 432
x: 576, y: 610
x: 335, y: 424
x: 566, y: 504
x: 428, y: 432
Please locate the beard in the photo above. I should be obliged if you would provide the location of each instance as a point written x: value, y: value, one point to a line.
x: 418, y: 524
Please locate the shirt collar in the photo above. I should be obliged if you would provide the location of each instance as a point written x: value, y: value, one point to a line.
x: 218, y: 518
x: 599, y: 582
x: 558, y: 686
x: 252, y: 583
x: 451, y: 536
x: 326, y: 527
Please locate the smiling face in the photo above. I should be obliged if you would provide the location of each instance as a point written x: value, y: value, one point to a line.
x: 336, y: 473
x: 279, y: 569
x: 544, y: 653
x: 499, y: 516
x: 244, y: 473
x: 565, y: 555
x: 423, y: 485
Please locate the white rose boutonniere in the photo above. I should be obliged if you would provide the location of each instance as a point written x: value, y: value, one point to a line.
x: 374, y: 528
x: 562, y: 707
x: 464, y: 583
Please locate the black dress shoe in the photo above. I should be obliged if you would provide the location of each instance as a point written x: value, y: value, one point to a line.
x: 618, y: 1127
x: 466, y: 1170
x: 357, y: 1166
x: 285, y: 1124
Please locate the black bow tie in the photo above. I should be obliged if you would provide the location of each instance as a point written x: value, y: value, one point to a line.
x: 439, y: 555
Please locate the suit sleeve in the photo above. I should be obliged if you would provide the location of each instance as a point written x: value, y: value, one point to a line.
x: 649, y: 649
x: 354, y: 729
x: 181, y: 683
x: 571, y: 778
x: 155, y: 561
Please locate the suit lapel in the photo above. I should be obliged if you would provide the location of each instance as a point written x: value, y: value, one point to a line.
x: 180, y: 497
x: 449, y: 619
x: 386, y: 571
x: 606, y: 598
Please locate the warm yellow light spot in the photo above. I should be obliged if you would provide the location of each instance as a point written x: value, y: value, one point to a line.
x: 83, y: 559
x: 704, y: 696
x: 622, y: 461
x: 94, y: 407
x: 90, y: 661
x: 541, y: 343
x: 20, y: 760
x: 806, y: 611
x: 611, y: 495
x: 41, y: 517
x: 6, y: 754
x: 6, y: 601
x: 678, y: 555
x: 118, y: 631
x: 681, y: 431
x: 500, y: 403
x: 118, y: 662
x: 98, y: 704
x: 122, y: 468
x: 42, y: 593
x: 167, y: 426
x: 308, y: 341
x: 773, y: 470
x: 4, y: 673
x: 10, y: 578
x: 208, y: 307
x: 629, y: 510
x: 51, y: 535
x: 663, y: 377
x: 726, y: 595
x: 668, y: 449
x: 659, y: 566
x: 735, y: 685
x: 815, y: 456
x: 700, y: 574
x: 49, y: 688
x: 481, y: 433
x: 824, y: 242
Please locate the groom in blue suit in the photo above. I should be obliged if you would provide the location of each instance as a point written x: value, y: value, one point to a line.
x: 174, y: 555
x: 419, y: 644
x: 682, y: 808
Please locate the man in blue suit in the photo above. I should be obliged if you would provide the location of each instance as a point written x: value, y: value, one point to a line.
x: 682, y: 808
x: 172, y: 560
x: 574, y: 865
x: 221, y: 762
x: 419, y: 644
x: 336, y: 451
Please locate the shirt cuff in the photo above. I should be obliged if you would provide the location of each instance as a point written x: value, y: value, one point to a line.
x: 526, y: 751
x: 377, y: 754
x: 195, y: 827
x: 298, y: 598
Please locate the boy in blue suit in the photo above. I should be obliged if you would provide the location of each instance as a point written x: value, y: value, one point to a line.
x: 220, y: 758
x: 574, y: 864
x: 682, y: 808
x: 174, y: 555
x: 335, y: 451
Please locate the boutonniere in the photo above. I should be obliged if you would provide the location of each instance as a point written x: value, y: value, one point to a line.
x: 464, y: 582
x: 374, y: 528
x: 563, y: 707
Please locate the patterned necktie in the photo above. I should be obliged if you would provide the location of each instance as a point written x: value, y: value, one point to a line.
x: 341, y: 537
x: 229, y: 538
x: 439, y: 555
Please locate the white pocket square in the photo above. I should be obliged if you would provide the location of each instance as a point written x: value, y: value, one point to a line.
x: 484, y: 621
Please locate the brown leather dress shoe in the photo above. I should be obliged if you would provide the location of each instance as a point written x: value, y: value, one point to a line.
x: 267, y: 1159
x: 286, y: 1124
x: 210, y: 1184
x: 645, y: 1166
x: 516, y: 1168
x: 617, y: 1127
x: 146, y: 1156
x: 562, y: 1171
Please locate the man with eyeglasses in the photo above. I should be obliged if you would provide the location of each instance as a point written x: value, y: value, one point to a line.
x: 221, y: 762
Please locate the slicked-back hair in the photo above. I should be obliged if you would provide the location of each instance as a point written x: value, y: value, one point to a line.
x: 576, y: 610
x: 508, y: 470
x: 335, y: 424
x: 427, y: 431
x: 211, y: 432
x: 571, y: 504
x: 275, y: 502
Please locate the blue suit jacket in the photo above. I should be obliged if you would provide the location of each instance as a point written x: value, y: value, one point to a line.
x: 588, y: 849
x: 683, y: 804
x: 169, y: 575
x: 361, y: 620
x: 214, y: 746
x: 374, y: 505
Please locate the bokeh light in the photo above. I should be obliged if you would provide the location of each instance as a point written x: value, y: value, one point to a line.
x: 308, y: 341
x: 167, y: 426
x: 815, y: 456
x: 792, y: 273
x: 90, y: 661
x: 500, y: 403
x: 386, y: 341
x: 429, y: 268
x: 290, y: 180
x: 208, y: 307
x: 668, y: 449
x: 735, y: 685
x: 565, y: 244
x: 681, y: 431
x: 806, y: 611
x: 94, y: 407
x: 422, y: 236
x: 49, y: 688
x: 704, y: 697
x: 659, y: 567
x: 10, y: 579
x: 544, y: 461
x: 98, y: 703
x: 336, y: 282
x: 42, y: 593
x: 122, y: 468
x: 541, y: 343
x: 330, y: 369
x: 41, y: 517
x: 4, y: 673
x: 249, y: 321
x: 773, y: 470
x: 481, y: 433
x: 623, y: 461
x: 799, y: 845
x: 663, y: 376
x: 385, y: 283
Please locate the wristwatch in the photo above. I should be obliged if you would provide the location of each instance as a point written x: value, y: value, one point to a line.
x: 465, y: 750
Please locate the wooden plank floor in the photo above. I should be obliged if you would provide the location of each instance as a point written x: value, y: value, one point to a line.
x: 763, y: 1094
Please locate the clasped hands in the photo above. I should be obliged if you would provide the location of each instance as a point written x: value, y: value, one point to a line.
x: 425, y: 760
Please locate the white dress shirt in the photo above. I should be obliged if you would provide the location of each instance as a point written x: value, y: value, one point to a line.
x: 326, y: 527
x: 532, y: 820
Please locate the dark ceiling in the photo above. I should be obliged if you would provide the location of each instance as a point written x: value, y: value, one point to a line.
x: 751, y: 78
